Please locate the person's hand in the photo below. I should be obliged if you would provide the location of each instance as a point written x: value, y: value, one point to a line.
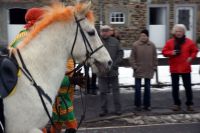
x: 176, y: 52
x: 78, y: 79
x: 189, y: 59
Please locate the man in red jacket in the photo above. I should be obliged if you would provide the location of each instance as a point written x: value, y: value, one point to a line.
x: 181, y: 51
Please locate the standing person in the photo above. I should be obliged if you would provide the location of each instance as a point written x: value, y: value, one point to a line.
x: 109, y: 80
x: 181, y: 51
x: 63, y: 110
x: 143, y: 60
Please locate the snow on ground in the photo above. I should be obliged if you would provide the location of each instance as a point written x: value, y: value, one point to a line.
x: 126, y: 75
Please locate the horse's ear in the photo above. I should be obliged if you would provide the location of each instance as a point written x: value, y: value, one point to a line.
x: 85, y: 9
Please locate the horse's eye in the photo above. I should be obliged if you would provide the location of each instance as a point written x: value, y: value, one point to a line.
x: 91, y: 33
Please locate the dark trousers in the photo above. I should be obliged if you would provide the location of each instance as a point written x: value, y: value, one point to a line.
x: 186, y: 77
x: 1, y: 113
x: 105, y: 84
x: 94, y: 80
x: 91, y: 82
x: 147, y: 92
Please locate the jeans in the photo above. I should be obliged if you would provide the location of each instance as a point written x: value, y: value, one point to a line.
x: 187, y: 85
x: 147, y: 93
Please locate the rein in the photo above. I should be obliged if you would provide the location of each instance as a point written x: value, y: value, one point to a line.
x: 38, y: 88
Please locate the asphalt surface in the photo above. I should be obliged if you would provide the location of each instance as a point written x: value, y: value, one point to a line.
x: 161, y: 101
x: 163, y: 128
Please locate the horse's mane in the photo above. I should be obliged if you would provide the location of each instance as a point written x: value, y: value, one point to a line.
x: 55, y: 13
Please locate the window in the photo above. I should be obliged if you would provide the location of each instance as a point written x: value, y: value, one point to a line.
x: 184, y: 17
x: 117, y: 18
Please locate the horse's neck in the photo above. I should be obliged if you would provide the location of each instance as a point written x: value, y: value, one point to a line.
x: 45, y: 57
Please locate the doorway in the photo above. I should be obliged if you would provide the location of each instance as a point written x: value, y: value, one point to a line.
x: 16, y: 22
x: 158, y: 24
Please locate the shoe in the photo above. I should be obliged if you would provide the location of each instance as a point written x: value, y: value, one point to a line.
x: 176, y: 108
x: 190, y: 108
x: 104, y: 113
x: 147, y: 108
x: 138, y: 108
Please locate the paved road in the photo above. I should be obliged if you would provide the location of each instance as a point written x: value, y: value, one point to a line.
x: 164, y: 128
x: 161, y: 103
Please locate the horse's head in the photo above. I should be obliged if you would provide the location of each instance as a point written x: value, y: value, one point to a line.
x: 87, y: 43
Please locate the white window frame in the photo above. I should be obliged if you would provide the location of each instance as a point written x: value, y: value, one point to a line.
x: 115, y: 17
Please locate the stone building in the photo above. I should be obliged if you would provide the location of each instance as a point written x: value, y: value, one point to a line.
x: 159, y: 16
x: 128, y: 17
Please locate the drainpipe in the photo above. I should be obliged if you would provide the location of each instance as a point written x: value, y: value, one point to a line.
x: 101, y: 2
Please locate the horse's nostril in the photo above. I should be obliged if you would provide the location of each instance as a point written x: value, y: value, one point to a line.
x: 110, y: 63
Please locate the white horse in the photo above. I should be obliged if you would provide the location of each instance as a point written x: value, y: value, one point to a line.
x: 45, y: 51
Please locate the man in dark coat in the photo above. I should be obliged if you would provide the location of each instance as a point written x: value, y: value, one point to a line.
x: 109, y: 80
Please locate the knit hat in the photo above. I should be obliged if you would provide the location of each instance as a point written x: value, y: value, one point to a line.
x: 32, y: 15
x: 146, y: 32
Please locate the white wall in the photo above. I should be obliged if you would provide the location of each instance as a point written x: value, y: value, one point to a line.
x: 13, y: 30
x: 158, y: 35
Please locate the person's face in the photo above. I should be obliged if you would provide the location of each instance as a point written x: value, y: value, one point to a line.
x: 179, y: 32
x: 111, y: 32
x: 105, y: 33
x: 144, y: 37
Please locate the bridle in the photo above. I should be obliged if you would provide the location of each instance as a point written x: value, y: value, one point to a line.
x: 88, y: 47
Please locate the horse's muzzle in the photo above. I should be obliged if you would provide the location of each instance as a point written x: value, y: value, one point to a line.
x: 103, y: 66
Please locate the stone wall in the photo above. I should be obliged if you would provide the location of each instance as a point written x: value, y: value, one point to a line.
x: 136, y: 16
